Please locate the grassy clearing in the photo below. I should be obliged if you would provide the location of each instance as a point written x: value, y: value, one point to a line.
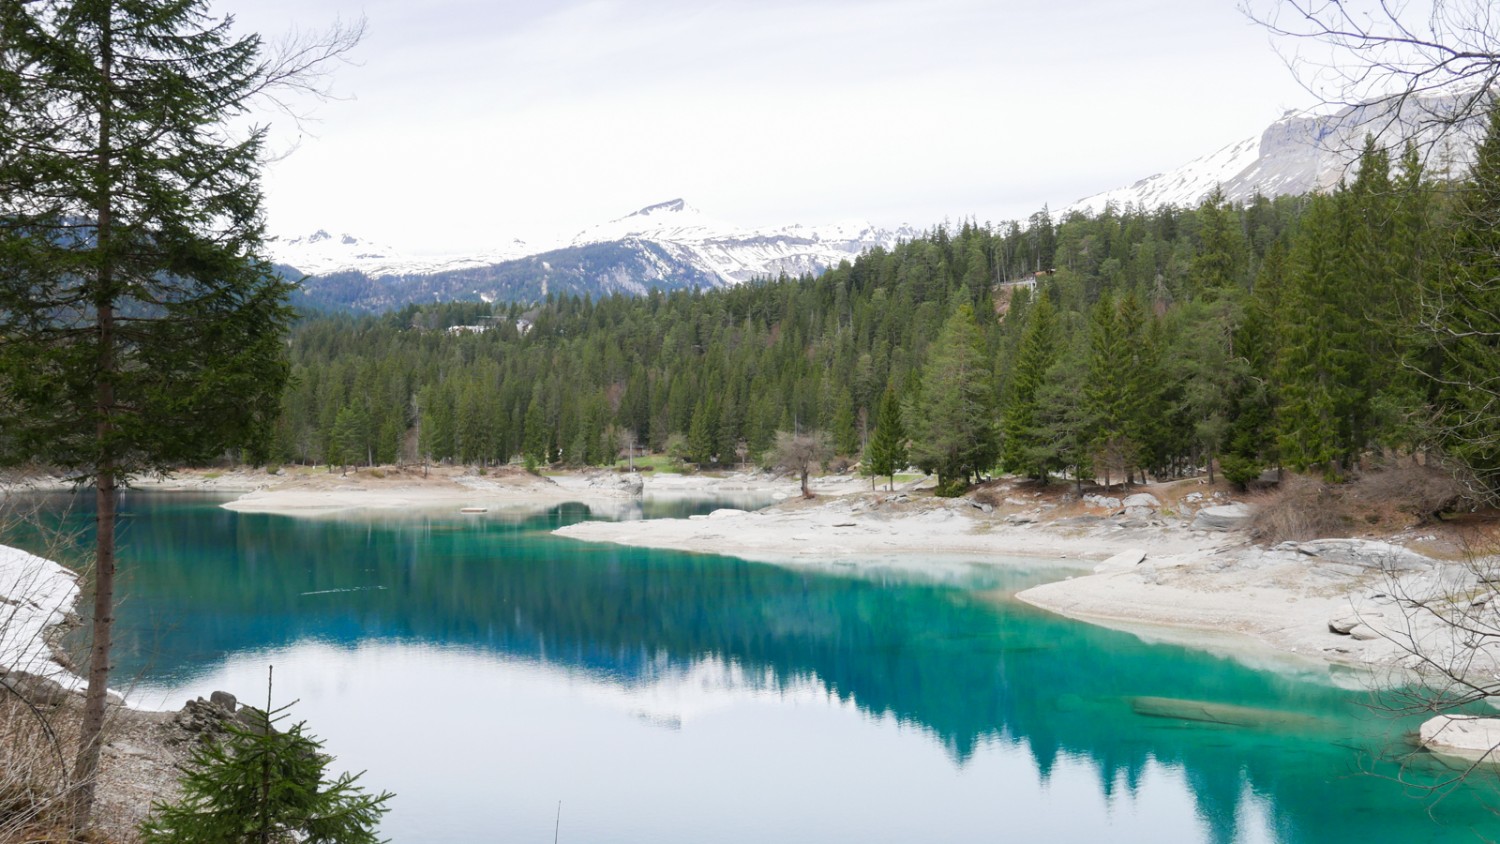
x: 654, y: 463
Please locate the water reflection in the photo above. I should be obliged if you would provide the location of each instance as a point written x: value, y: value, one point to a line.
x: 733, y: 701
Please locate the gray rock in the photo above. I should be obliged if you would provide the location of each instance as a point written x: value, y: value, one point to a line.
x: 1141, y: 499
x: 1342, y: 626
x: 1122, y: 560
x: 1223, y: 517
x: 224, y: 700
x: 633, y: 483
x: 1108, y: 502
x: 1365, y: 554
x: 1363, y: 632
x: 1468, y: 736
x: 38, y: 691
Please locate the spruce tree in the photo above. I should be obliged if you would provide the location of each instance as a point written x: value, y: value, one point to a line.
x: 1021, y: 441
x: 1105, y: 417
x: 140, y: 325
x: 1464, y: 315
x: 259, y: 785
x: 888, y: 450
x: 1312, y: 362
x: 953, y: 432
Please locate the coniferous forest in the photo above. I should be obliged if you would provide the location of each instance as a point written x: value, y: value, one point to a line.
x: 1311, y: 332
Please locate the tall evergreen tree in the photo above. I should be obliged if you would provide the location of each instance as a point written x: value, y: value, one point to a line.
x: 1313, y: 361
x: 140, y: 324
x: 953, y: 433
x: 1023, y: 443
x: 1464, y: 314
x: 887, y: 453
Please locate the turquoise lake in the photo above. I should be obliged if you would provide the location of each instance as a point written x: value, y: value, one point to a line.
x: 485, y: 671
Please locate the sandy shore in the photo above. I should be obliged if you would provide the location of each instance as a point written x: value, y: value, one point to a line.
x: 1211, y: 589
x: 865, y: 526
x: 1344, y: 602
x: 1167, y: 579
x: 317, y: 492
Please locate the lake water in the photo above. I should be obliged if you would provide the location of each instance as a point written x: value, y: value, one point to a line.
x: 486, y: 671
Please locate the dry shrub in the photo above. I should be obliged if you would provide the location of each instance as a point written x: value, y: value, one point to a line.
x: 990, y: 495
x: 1300, y: 508
x: 1391, y: 498
x: 1403, y: 488
x: 33, y: 774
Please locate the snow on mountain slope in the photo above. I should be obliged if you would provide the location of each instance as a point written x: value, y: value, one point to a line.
x: 737, y: 254
x: 1304, y: 151
x: 668, y: 237
x: 321, y: 253
x: 1186, y: 185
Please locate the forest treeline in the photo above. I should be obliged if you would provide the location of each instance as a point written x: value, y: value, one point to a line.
x: 1308, y: 332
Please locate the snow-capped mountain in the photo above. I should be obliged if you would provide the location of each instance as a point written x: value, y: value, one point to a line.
x: 736, y: 254
x: 667, y: 246
x: 321, y: 253
x: 1305, y: 151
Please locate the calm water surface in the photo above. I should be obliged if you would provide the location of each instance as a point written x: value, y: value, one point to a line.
x: 485, y: 670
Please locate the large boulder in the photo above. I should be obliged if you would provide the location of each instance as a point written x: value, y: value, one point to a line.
x: 1141, y: 499
x: 1469, y: 736
x: 1123, y: 560
x: 1222, y: 517
x: 1363, y: 553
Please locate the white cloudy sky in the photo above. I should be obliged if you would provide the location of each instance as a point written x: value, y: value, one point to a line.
x: 470, y: 122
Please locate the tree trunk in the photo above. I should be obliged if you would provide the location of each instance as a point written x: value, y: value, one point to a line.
x: 806, y: 493
x: 86, y: 766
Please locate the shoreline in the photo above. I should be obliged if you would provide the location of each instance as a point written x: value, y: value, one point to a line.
x: 1155, y: 567
x: 1148, y: 569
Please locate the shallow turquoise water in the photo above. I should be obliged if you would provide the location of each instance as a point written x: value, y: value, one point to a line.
x: 486, y: 670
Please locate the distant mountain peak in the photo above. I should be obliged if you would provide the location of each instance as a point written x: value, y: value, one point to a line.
x: 671, y: 206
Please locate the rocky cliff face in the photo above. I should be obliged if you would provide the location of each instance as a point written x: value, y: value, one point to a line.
x: 1308, y: 151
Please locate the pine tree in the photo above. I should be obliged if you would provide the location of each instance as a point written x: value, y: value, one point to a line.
x: 140, y: 324
x: 1221, y: 247
x: 845, y: 426
x: 1464, y: 314
x: 1021, y: 442
x: 1311, y: 365
x: 260, y: 784
x: 888, y: 450
x: 953, y: 433
x: 702, y: 432
x: 538, y: 448
x: 1106, y: 414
